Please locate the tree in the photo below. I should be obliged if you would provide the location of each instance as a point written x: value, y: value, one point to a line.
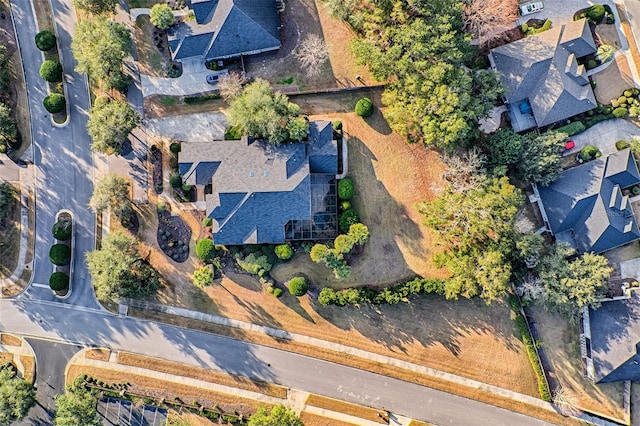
x: 112, y: 191
x: 161, y: 16
x: 230, y: 86
x: 54, y: 103
x: 283, y: 251
x: 358, y: 233
x: 605, y: 53
x: 487, y: 19
x: 8, y: 129
x: 529, y: 247
x: 109, y: 125
x: 77, y: 407
x: 505, y: 147
x: 262, y: 113
x: 202, y: 277
x: 279, y: 416
x: 59, y: 281
x: 16, y: 396
x: 298, y: 286
x: 205, y: 250
x: 117, y: 270
x: 298, y: 128
x: 96, y: 6
x: 312, y: 54
x: 51, y: 71
x: 45, y: 40
x: 541, y: 160
x: 7, y: 197
x: 100, y: 46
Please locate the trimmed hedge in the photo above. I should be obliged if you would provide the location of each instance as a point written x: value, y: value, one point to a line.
x: 205, y: 250
x: 620, y: 145
x: 59, y: 281
x: 589, y: 153
x: 283, y: 251
x: 390, y: 295
x: 61, y: 230
x: 572, y: 128
x: 54, y: 103
x: 620, y: 112
x: 200, y: 98
x: 51, y: 71
x: 60, y: 254
x: 525, y: 336
x: 348, y: 218
x: 364, y: 107
x: 45, y: 40
x: 298, y: 286
x: 345, y: 189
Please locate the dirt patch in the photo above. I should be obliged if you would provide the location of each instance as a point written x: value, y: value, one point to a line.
x: 309, y: 419
x: 331, y: 404
x: 10, y: 237
x: 10, y: 340
x: 561, y: 344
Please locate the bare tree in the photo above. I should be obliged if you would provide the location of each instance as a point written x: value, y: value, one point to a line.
x: 487, y: 19
x: 312, y: 54
x: 566, y: 402
x: 464, y: 171
x: 230, y: 85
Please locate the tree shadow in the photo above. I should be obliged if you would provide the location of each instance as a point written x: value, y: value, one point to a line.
x: 377, y: 121
x: 293, y: 303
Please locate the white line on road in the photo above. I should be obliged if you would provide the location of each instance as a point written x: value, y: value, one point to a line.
x: 40, y: 285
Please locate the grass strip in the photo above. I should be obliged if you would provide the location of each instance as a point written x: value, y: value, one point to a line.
x: 6, y: 357
x: 179, y: 369
x: 100, y: 354
x: 338, y: 406
x: 418, y: 423
x: 10, y: 340
x: 360, y: 363
x: 29, y: 364
x: 315, y: 420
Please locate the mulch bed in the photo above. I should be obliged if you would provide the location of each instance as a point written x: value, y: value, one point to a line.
x: 173, y: 236
x: 156, y: 168
x: 506, y: 37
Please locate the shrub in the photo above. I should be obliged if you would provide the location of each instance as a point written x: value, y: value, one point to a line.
x: 201, y: 98
x: 207, y: 221
x: 298, y: 286
x: 589, y: 153
x: 620, y: 112
x: 622, y: 100
x: 174, y: 147
x: 202, y: 277
x: 627, y: 93
x: 233, y: 133
x: 348, y: 218
x: 60, y: 254
x: 205, y: 250
x: 283, y: 251
x: 364, y: 107
x: 595, y: 13
x: 591, y: 64
x: 277, y: 292
x: 545, y: 26
x: 345, y: 189
x: 337, y: 125
x: 606, y: 53
x: 45, y: 40
x: 635, y: 190
x: 161, y: 16
x: 59, y: 281
x: 254, y: 263
x: 572, y: 128
x: 51, y: 71
x: 620, y: 145
x: 61, y: 230
x: 175, y: 181
x: 54, y: 103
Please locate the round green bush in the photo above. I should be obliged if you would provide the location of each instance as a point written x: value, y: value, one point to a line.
x: 596, y: 13
x: 207, y: 221
x: 51, y: 71
x: 591, y: 64
x: 54, y: 103
x: 298, y: 286
x: 345, y: 189
x: 174, y: 147
x: 622, y: 100
x: 620, y: 145
x: 60, y: 254
x: 59, y: 281
x: 348, y: 218
x: 45, y: 40
x: 589, y: 153
x: 61, y: 230
x: 283, y: 251
x: 635, y: 190
x: 205, y: 250
x: 620, y: 112
x: 277, y: 292
x: 364, y: 107
x: 628, y: 93
x: 345, y: 205
x: 175, y: 181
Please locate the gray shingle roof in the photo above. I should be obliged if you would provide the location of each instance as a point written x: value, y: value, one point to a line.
x: 585, y: 205
x: 544, y: 70
x: 227, y: 28
x: 257, y: 187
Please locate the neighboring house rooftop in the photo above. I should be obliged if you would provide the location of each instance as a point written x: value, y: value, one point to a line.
x: 585, y: 207
x: 544, y: 82
x: 227, y: 28
x: 263, y: 193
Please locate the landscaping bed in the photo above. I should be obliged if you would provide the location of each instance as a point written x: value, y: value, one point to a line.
x: 10, y: 237
x: 173, y: 236
x: 155, y: 158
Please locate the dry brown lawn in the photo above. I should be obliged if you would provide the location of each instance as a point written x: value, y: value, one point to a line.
x: 6, y: 357
x: 345, y: 407
x: 315, y: 420
x: 10, y: 340
x: 560, y: 341
x: 163, y: 105
x: 29, y: 364
x: 99, y: 354
x: 150, y: 60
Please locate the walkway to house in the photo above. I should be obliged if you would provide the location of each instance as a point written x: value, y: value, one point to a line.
x: 604, y: 136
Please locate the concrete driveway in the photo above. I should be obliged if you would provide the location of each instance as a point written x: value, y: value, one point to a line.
x: 561, y: 11
x: 201, y: 127
x: 604, y: 136
x: 193, y: 80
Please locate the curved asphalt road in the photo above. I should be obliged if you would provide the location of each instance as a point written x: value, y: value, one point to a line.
x: 64, y: 180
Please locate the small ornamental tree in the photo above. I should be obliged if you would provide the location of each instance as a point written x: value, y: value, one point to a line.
x: 175, y: 181
x: 60, y: 254
x: 202, y: 277
x: 161, y: 16
x: 59, y: 281
x: 345, y: 189
x: 348, y: 218
x: 51, y: 71
x: 298, y: 286
x: 54, y: 103
x: 45, y: 40
x: 283, y: 251
x: 364, y: 107
x: 61, y: 230
x: 205, y: 250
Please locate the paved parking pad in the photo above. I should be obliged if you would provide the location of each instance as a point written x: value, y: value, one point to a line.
x: 125, y: 413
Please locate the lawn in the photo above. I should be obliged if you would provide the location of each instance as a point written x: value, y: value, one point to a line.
x: 150, y: 59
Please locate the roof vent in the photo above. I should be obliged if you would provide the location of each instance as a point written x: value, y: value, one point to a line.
x: 266, y: 173
x: 251, y: 173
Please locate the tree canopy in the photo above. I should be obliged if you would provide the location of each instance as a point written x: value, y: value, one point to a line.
x: 541, y: 160
x: 96, y: 6
x: 109, y: 125
x: 77, y: 407
x: 112, y: 191
x: 118, y: 270
x: 16, y: 396
x: 161, y: 16
x: 279, y: 416
x: 262, y: 113
x: 8, y: 129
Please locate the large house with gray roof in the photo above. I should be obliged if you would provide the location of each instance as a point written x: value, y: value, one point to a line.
x: 227, y: 29
x: 544, y: 82
x: 260, y: 193
x: 586, y: 208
